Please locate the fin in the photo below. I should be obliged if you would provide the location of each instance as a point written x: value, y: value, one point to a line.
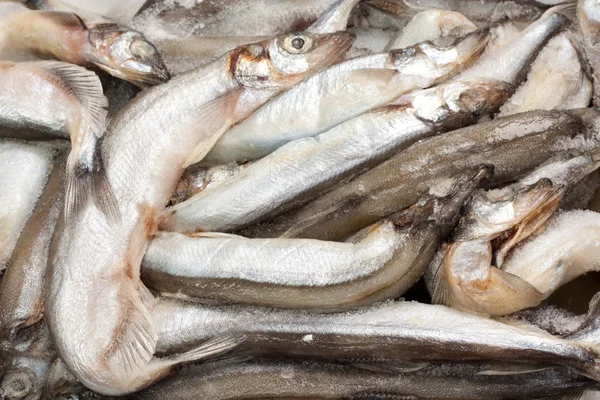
x: 569, y: 10
x: 394, y: 7
x: 512, y: 370
x: 216, y: 119
x: 441, y: 292
x: 133, y: 345
x: 146, y: 296
x: 61, y: 383
x: 209, y: 349
x: 102, y: 193
x: 86, y: 87
x: 215, y: 235
x: 66, y: 19
x: 334, y: 18
x: 391, y: 367
x: 77, y: 189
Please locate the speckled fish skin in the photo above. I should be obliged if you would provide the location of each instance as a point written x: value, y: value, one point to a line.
x: 310, y: 380
x: 345, y: 91
x: 96, y: 307
x: 407, y: 331
x: 379, y: 263
x: 117, y: 49
x: 22, y: 288
x: 431, y: 24
x: 301, y: 169
x: 467, y: 273
x: 24, y: 170
x: 474, y: 10
x: 513, y: 145
x: 183, y: 54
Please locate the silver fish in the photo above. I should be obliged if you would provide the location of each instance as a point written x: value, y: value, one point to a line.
x: 379, y: 263
x: 96, y: 306
x: 24, y: 170
x: 467, y: 272
x: 345, y: 91
x: 514, y: 145
x: 474, y: 10
x: 65, y: 36
x: 556, y: 81
x: 310, y: 380
x: 53, y: 99
x: 301, y: 169
x: 588, y: 16
x: 564, y: 250
x: 183, y: 54
x: 408, y: 332
x: 431, y: 24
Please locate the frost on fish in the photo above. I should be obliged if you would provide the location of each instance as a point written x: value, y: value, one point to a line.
x: 469, y: 272
x: 23, y: 174
x: 556, y: 80
x: 430, y: 25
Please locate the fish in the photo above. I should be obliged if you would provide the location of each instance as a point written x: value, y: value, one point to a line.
x: 379, y: 263
x: 312, y: 380
x: 562, y: 251
x: 431, y: 24
x: 345, y: 91
x: 183, y: 54
x: 557, y: 80
x: 406, y: 332
x: 301, y: 169
x: 24, y: 172
x: 513, y: 145
x: 60, y: 100
x: 467, y: 273
x: 197, y: 178
x: 22, y: 288
x: 475, y: 10
x: 588, y: 18
x: 97, y: 309
x: 65, y: 36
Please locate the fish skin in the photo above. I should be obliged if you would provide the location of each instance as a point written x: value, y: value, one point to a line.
x: 310, y: 380
x: 345, y: 91
x: 556, y: 81
x: 431, y: 24
x: 22, y: 288
x: 24, y: 171
x: 399, y: 181
x: 116, y: 49
x: 563, y: 251
x: 60, y: 100
x: 301, y: 169
x: 378, y: 264
x: 474, y: 10
x: 405, y: 331
x: 96, y: 307
x: 183, y: 54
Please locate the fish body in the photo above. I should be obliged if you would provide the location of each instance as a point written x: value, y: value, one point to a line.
x: 431, y: 24
x: 345, y: 91
x: 24, y: 171
x: 65, y: 36
x: 588, y: 16
x: 556, y: 81
x: 301, y: 169
x: 379, y: 263
x: 405, y: 331
x: 311, y: 380
x: 96, y: 306
x: 467, y: 273
x: 513, y: 145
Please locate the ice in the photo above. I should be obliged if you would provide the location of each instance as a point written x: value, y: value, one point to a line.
x: 550, y: 318
x: 373, y: 39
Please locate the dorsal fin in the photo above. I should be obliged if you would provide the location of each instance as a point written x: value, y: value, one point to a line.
x: 66, y: 19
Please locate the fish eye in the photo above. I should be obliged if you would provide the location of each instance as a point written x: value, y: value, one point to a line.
x: 297, y: 43
x: 444, y: 42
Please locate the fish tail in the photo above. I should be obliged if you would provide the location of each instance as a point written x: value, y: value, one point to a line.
x: 78, y: 185
x: 102, y: 193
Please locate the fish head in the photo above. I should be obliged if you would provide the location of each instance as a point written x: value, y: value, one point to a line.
x: 432, y: 61
x: 283, y: 61
x: 18, y: 383
x: 126, y: 54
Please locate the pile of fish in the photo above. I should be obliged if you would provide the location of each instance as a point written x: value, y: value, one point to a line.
x: 242, y: 199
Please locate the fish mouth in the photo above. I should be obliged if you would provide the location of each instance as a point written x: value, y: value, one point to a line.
x: 156, y: 76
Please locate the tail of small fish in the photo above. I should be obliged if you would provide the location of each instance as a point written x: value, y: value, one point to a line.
x: 86, y: 178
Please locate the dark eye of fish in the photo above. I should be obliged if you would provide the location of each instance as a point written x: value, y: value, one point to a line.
x: 297, y: 43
